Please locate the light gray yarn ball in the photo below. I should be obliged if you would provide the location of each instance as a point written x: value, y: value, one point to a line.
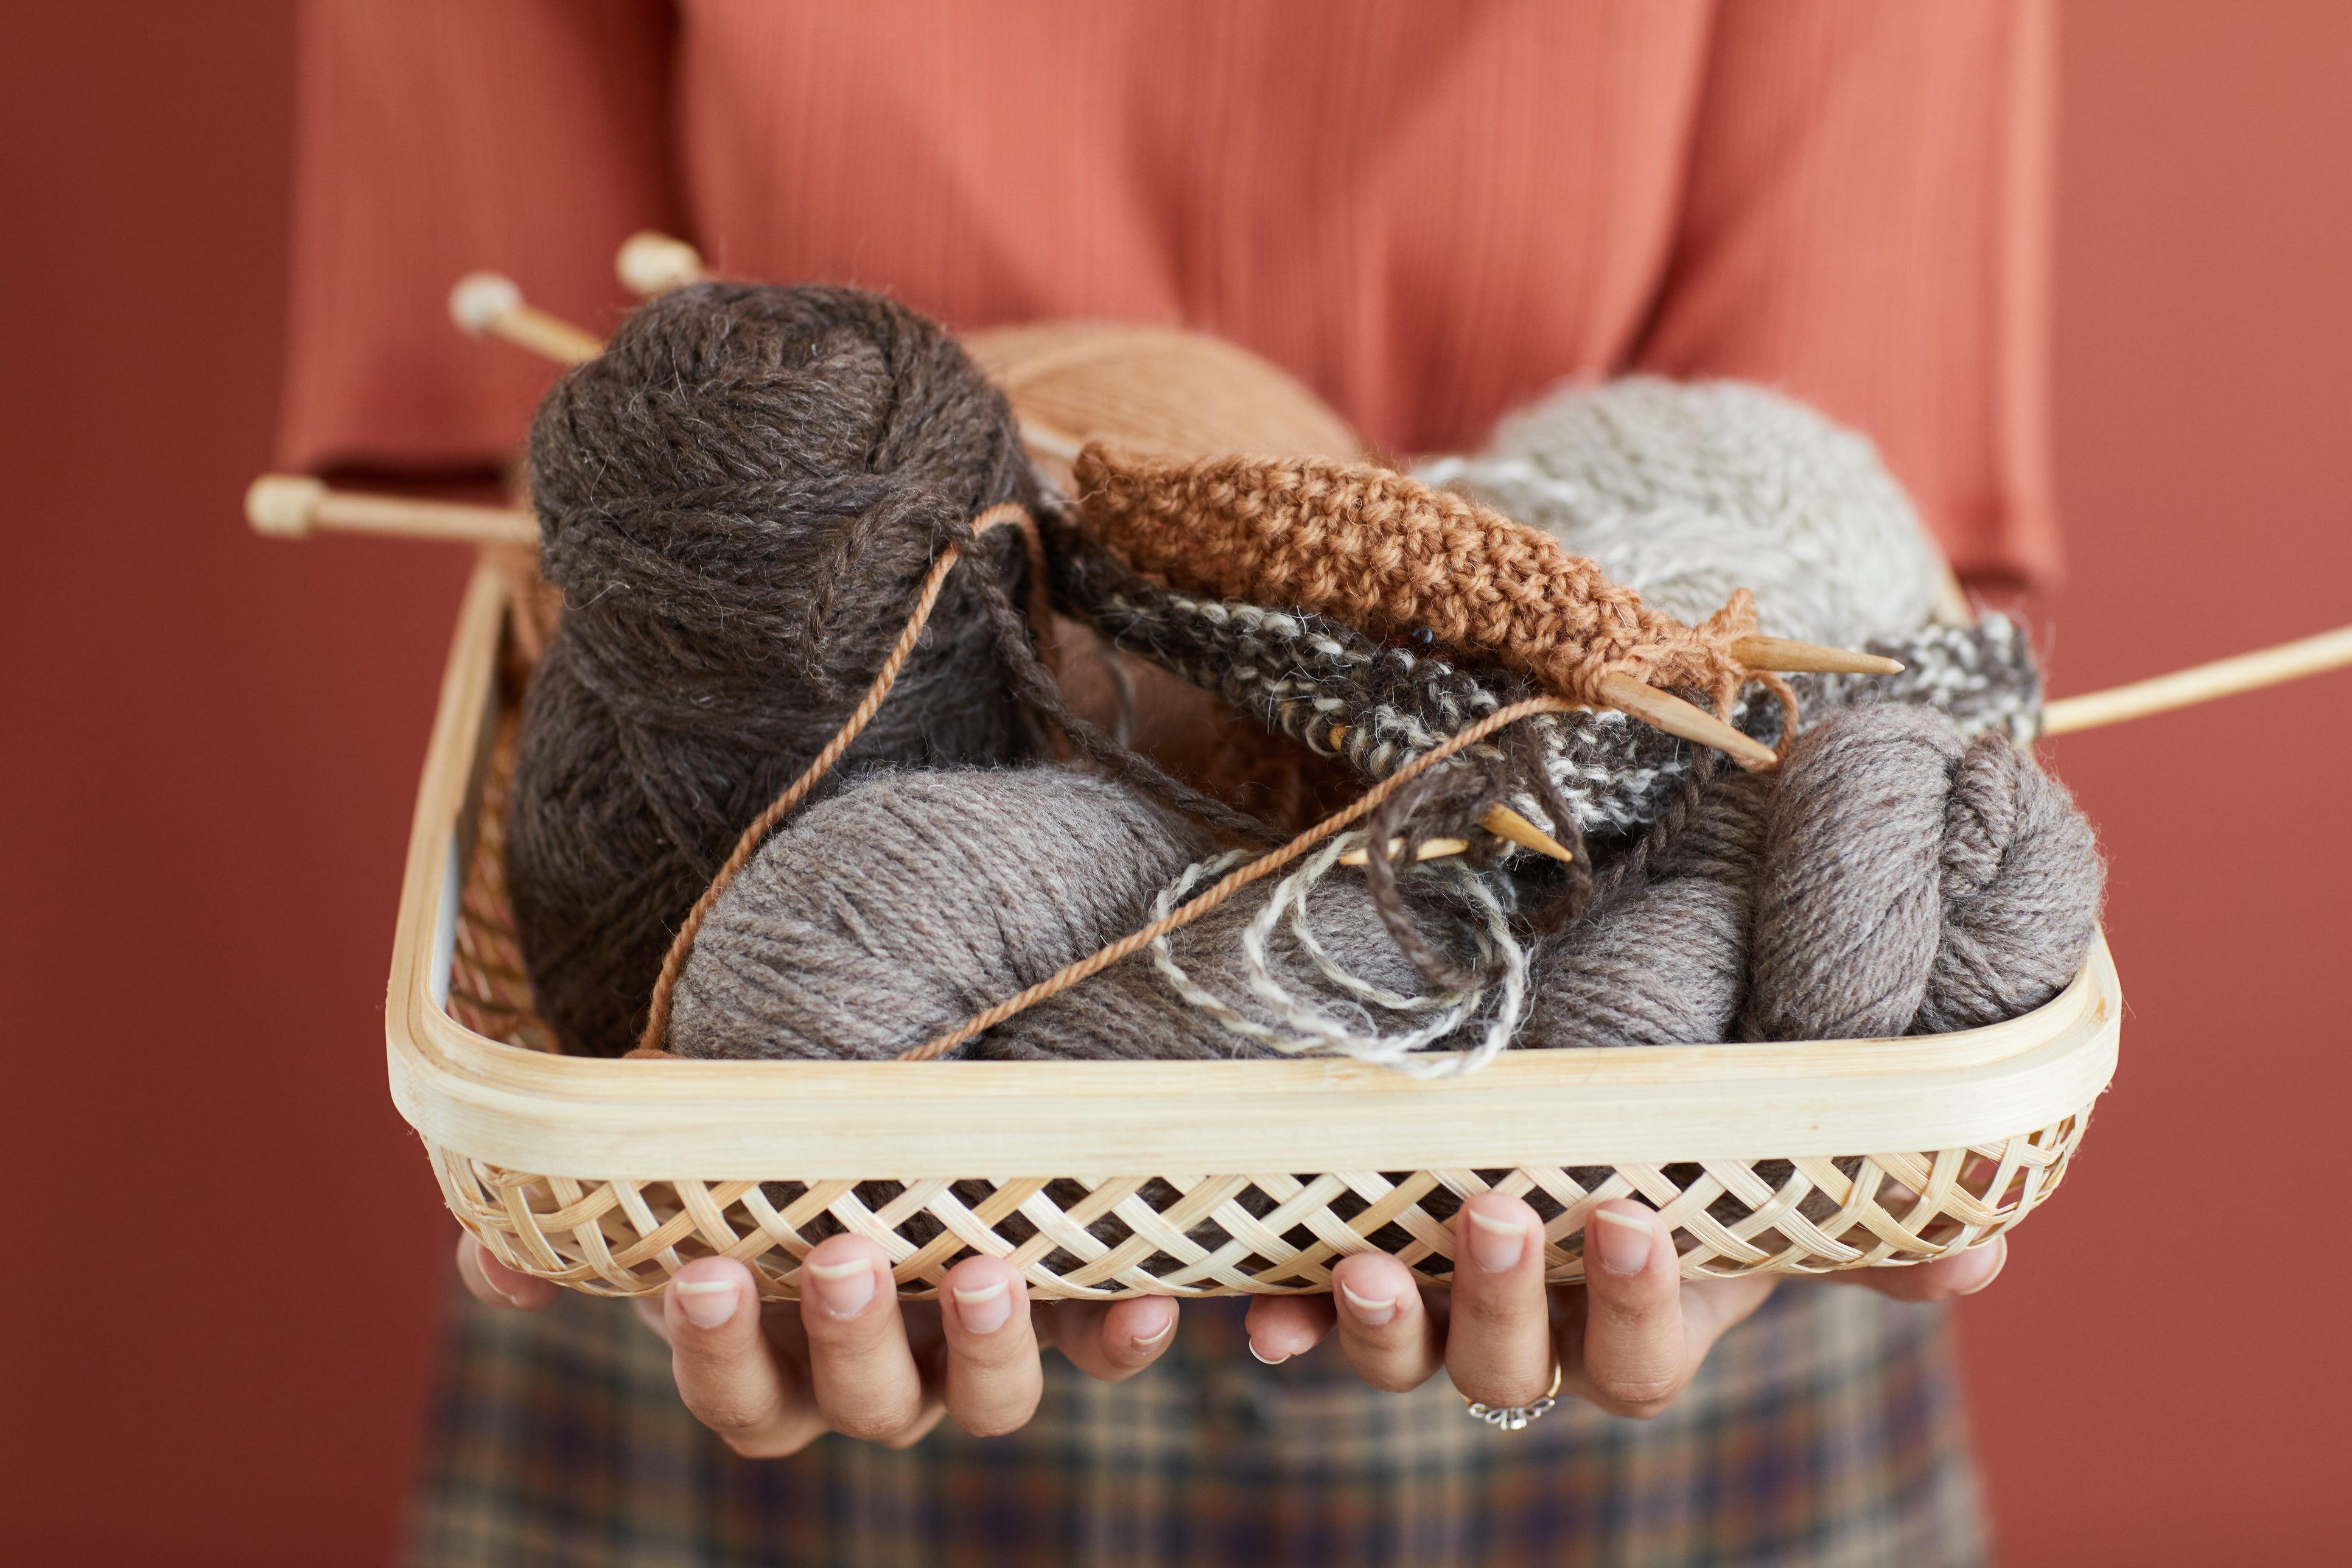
x: 1688, y: 490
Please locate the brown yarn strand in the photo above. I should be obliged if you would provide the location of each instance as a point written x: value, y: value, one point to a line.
x: 1233, y: 881
x: 748, y: 845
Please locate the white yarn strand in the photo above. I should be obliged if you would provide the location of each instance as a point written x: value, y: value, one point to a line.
x: 1311, y: 1030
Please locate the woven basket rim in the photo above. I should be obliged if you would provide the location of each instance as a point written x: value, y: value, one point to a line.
x: 719, y: 1121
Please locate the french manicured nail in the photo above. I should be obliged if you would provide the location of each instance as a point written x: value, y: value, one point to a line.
x: 1268, y: 1360
x: 1623, y: 1241
x: 1146, y: 1342
x: 842, y: 1288
x: 983, y: 1311
x: 1370, y: 1310
x: 708, y: 1303
x: 1496, y: 1244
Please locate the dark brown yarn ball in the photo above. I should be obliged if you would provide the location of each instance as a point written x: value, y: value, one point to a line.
x: 738, y: 499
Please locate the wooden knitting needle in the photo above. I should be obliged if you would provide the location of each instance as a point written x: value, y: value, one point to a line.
x: 1504, y: 822
x: 490, y: 304
x: 290, y: 506
x: 2222, y: 677
x: 1676, y: 717
x: 1431, y: 850
x: 1806, y: 657
x: 1499, y: 820
x: 651, y: 264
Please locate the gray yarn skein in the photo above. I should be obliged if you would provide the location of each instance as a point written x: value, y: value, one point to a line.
x: 1689, y: 490
x: 1889, y: 880
x: 890, y: 913
x: 1913, y: 885
x: 1662, y: 958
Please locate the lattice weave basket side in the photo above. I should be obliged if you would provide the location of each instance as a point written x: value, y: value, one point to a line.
x: 609, y: 1177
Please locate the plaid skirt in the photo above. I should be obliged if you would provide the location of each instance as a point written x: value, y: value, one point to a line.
x: 1825, y: 1430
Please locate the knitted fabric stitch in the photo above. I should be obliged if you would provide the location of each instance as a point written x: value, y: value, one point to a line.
x: 1377, y: 707
x: 1387, y: 553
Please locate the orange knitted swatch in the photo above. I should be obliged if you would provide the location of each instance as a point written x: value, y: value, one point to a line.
x: 1385, y: 552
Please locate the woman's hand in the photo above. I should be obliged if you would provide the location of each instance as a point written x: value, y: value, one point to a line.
x: 1628, y: 1341
x: 771, y: 1379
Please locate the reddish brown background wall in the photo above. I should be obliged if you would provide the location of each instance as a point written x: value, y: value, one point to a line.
x: 212, y: 743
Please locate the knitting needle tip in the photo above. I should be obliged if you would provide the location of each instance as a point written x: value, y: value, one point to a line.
x: 1431, y: 850
x: 283, y: 505
x: 488, y: 304
x: 1804, y: 657
x: 1504, y: 822
x: 477, y: 299
x: 651, y: 263
x: 1676, y: 717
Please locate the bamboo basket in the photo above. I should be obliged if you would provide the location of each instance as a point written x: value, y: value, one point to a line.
x: 1109, y: 1179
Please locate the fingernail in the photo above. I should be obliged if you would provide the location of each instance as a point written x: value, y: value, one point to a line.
x: 1268, y: 1360
x: 983, y: 1311
x: 1992, y: 1272
x: 1496, y: 1244
x: 1145, y: 1341
x: 707, y: 1304
x: 1368, y: 1310
x: 1623, y: 1241
x: 842, y: 1288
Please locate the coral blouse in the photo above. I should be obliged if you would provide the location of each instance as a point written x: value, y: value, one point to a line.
x: 1429, y: 212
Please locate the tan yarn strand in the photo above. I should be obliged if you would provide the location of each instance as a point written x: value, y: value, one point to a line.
x: 649, y: 1044
x: 1233, y: 881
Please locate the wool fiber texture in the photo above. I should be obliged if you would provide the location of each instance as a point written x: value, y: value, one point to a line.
x: 1387, y: 553
x: 1687, y: 490
x: 1889, y: 880
x: 888, y: 914
x: 1661, y: 957
x: 1911, y: 884
x: 738, y: 500
x: 1377, y: 706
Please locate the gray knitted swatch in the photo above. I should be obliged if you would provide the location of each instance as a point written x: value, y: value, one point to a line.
x: 1344, y: 693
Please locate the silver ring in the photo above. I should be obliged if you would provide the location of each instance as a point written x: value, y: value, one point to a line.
x: 1514, y: 1417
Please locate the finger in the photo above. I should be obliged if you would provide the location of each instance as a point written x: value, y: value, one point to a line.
x: 1387, y: 1332
x: 1631, y: 1357
x: 994, y: 1379
x: 1111, y: 1341
x: 1498, y: 1337
x: 862, y: 1374
x: 494, y: 1284
x: 1280, y: 1327
x: 1962, y: 1274
x: 726, y: 1372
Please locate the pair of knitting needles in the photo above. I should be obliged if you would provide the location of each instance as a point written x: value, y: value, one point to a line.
x: 489, y: 304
